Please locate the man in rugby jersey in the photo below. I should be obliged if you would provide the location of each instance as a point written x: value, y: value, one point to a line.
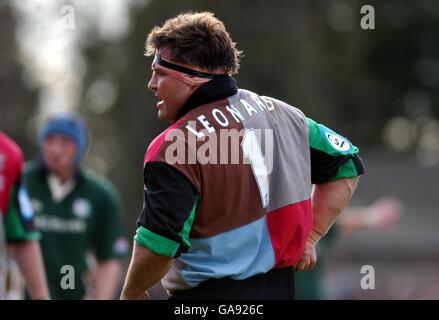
x: 240, y: 187
x: 78, y: 213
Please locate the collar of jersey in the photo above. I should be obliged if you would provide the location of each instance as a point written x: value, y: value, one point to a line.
x: 218, y: 88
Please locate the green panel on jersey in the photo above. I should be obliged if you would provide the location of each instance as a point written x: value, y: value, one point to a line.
x: 184, y: 233
x: 326, y: 140
x: 156, y: 243
x: 346, y: 170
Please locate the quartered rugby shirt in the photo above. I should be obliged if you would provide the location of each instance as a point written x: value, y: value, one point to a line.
x: 222, y: 217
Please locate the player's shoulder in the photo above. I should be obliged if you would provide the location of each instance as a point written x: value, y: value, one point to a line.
x: 159, y: 141
x: 280, y: 104
x: 272, y: 103
x: 325, y: 139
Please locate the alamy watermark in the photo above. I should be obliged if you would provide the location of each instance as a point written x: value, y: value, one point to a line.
x: 368, y: 20
x: 229, y: 146
x: 68, y: 280
x: 368, y: 280
x: 68, y: 17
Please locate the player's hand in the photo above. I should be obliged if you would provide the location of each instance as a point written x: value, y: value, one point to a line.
x: 309, y: 257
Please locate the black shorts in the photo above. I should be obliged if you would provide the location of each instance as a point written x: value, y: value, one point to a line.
x: 276, y: 284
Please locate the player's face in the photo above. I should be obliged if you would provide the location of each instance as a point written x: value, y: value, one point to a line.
x: 59, y: 153
x: 171, y: 92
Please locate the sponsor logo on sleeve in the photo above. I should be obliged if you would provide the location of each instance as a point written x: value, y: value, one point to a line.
x: 336, y: 141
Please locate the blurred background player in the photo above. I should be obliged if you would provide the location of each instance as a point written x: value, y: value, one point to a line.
x: 17, y: 223
x: 77, y: 213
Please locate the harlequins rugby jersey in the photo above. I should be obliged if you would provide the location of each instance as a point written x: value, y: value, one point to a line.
x: 228, y: 185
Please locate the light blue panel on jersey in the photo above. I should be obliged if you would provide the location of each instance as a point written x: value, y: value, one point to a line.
x: 239, y: 253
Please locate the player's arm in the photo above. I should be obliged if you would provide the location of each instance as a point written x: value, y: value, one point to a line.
x: 27, y: 254
x: 110, y: 244
x: 335, y: 171
x: 145, y: 270
x: 328, y: 201
x: 107, y: 279
x: 23, y: 242
x: 163, y: 228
